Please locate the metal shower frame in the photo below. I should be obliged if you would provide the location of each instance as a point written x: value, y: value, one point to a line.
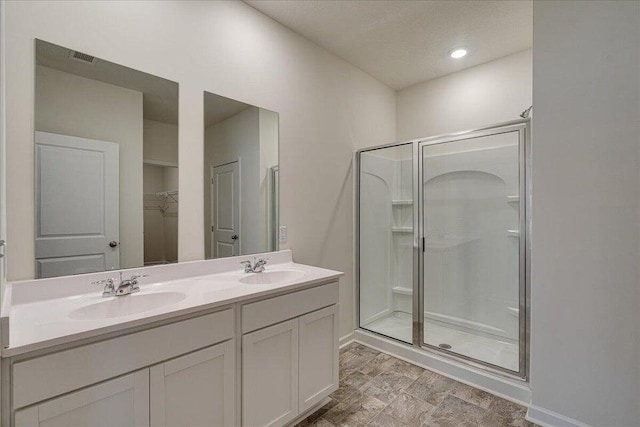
x: 523, y: 128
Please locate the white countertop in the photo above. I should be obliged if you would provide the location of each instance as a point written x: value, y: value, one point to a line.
x: 38, y: 323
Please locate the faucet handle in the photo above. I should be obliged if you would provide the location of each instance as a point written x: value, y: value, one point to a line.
x: 248, y: 267
x: 137, y: 276
x: 109, y: 286
x: 259, y: 266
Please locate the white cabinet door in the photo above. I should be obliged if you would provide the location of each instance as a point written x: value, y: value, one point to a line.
x: 270, y: 375
x: 318, y: 337
x: 195, y: 390
x: 121, y: 402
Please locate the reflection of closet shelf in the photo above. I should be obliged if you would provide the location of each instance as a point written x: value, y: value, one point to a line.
x: 402, y: 202
x: 161, y: 201
x: 402, y: 229
x: 402, y: 290
x: 513, y: 233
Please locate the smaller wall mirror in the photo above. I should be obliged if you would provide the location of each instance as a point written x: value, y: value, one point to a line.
x: 106, y: 165
x: 241, y: 178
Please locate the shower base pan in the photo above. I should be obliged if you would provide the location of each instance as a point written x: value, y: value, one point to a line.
x: 497, y: 352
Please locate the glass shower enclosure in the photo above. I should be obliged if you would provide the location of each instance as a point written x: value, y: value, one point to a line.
x: 442, y: 244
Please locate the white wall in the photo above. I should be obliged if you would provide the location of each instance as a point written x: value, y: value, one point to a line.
x: 67, y: 104
x: 327, y: 108
x: 585, y: 345
x: 490, y: 93
x: 237, y: 139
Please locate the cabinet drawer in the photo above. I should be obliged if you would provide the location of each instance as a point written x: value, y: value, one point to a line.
x: 54, y: 374
x: 121, y: 402
x: 274, y: 310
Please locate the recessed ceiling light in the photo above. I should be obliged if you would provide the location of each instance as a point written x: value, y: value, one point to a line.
x: 458, y: 53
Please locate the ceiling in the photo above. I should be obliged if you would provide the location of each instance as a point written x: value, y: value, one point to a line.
x: 402, y: 43
x: 218, y: 108
x: 159, y: 96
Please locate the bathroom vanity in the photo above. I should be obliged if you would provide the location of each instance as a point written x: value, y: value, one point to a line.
x: 202, y: 344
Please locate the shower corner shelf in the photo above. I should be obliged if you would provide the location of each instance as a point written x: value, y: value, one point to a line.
x: 402, y: 202
x: 402, y: 229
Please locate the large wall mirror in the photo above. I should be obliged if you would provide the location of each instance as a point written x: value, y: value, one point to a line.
x: 241, y: 178
x: 106, y: 165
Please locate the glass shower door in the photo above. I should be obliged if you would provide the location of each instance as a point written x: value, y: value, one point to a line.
x: 472, y: 225
x: 385, y: 204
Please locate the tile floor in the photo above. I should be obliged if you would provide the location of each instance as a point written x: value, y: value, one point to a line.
x: 379, y: 390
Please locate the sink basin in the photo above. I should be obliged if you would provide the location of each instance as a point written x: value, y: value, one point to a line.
x: 272, y: 277
x: 126, y: 305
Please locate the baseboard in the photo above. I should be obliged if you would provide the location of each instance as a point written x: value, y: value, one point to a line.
x: 346, y: 340
x: 546, y: 418
x: 510, y: 389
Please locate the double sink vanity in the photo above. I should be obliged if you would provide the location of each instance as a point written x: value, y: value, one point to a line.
x: 200, y: 343
x: 112, y: 331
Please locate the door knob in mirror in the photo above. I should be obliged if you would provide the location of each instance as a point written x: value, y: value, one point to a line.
x: 113, y: 244
x: 234, y: 237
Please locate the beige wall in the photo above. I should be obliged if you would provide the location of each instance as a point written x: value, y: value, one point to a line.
x: 490, y: 93
x: 67, y: 104
x: 327, y: 108
x: 585, y: 293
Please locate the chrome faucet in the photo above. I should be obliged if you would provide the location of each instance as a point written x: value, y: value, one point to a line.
x: 114, y: 286
x: 258, y: 267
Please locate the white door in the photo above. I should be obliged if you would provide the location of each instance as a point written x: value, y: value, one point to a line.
x: 77, y: 205
x: 225, y: 210
x: 195, y: 390
x: 318, y: 356
x: 270, y: 375
x: 122, y: 402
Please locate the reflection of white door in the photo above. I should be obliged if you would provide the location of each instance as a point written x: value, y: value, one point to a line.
x: 77, y: 205
x: 225, y: 210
